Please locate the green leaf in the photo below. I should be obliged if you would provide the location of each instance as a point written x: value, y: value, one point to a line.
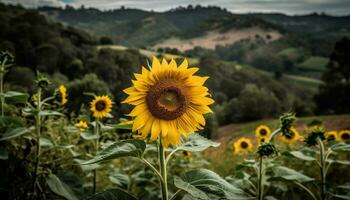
x: 302, y: 156
x: 50, y: 113
x: 60, y: 188
x: 289, y: 174
x: 44, y: 142
x: 340, y: 147
x: 15, y: 132
x: 133, y: 148
x: 192, y: 190
x: 346, y: 197
x: 13, y: 97
x: 197, y: 143
x: 119, y: 178
x: 123, y: 126
x: 9, y: 122
x: 343, y: 162
x: 209, y: 183
x: 89, y: 135
x: 4, y: 155
x: 112, y: 194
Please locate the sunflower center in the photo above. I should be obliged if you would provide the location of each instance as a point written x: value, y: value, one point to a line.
x: 263, y: 132
x: 244, y: 145
x: 290, y: 136
x: 100, y: 105
x: 166, y: 100
x: 345, y: 136
x: 331, y: 137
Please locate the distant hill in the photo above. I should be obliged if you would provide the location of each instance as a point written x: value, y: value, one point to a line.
x: 138, y: 28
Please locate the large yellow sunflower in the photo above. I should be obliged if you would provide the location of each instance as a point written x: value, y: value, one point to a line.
x: 344, y: 135
x: 332, y: 136
x: 263, y: 131
x: 63, y: 94
x: 294, y: 137
x: 243, y: 145
x: 101, y: 106
x: 169, y: 101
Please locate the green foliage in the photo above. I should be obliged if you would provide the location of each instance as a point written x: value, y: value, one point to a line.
x: 333, y: 95
x: 133, y: 148
x: 112, y: 194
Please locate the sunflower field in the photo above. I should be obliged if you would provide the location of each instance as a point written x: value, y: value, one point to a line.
x: 157, y: 151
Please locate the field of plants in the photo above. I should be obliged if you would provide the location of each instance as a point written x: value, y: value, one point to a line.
x: 156, y: 151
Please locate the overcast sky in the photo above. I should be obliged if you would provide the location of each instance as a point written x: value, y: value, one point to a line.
x: 334, y: 7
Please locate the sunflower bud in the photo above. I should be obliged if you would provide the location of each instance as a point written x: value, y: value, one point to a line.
x: 267, y: 150
x: 42, y: 81
x: 6, y: 58
x: 287, y: 120
x: 314, y: 134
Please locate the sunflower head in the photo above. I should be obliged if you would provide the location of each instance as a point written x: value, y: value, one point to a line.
x: 6, y: 58
x: 62, y: 90
x: 267, y: 150
x: 286, y: 121
x: 262, y: 131
x: 292, y: 137
x: 82, y: 125
x: 42, y: 81
x: 169, y: 101
x: 344, y: 135
x: 314, y: 134
x: 332, y: 136
x: 243, y: 145
x: 187, y: 155
x: 101, y: 106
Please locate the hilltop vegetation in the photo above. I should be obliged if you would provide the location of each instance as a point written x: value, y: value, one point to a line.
x: 71, y: 56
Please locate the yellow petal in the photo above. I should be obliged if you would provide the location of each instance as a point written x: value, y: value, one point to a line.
x: 183, y: 65
x: 155, y: 129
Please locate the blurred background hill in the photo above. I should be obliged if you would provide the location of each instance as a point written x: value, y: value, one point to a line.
x: 259, y: 64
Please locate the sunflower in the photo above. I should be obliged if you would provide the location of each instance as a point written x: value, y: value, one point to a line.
x: 344, y: 135
x: 63, y: 94
x: 332, y: 136
x: 262, y: 139
x: 294, y: 136
x: 82, y: 125
x: 187, y: 155
x: 101, y: 106
x: 243, y: 145
x: 169, y: 101
x: 262, y: 131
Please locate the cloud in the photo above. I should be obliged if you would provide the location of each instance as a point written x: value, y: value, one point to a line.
x: 336, y: 7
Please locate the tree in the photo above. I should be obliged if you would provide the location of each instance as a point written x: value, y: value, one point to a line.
x: 334, y: 94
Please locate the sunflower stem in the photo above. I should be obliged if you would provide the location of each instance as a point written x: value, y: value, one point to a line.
x: 322, y: 169
x: 273, y: 134
x: 2, y: 73
x: 260, y: 195
x: 97, y: 133
x: 163, y: 171
x: 38, y: 147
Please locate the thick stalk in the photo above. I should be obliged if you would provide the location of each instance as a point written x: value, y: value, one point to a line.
x: 322, y: 169
x: 97, y: 132
x: 163, y: 172
x: 260, y: 180
x: 2, y: 72
x: 38, y: 133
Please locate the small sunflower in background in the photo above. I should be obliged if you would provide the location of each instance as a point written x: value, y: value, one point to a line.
x: 292, y: 138
x: 332, y: 136
x: 344, y: 135
x: 263, y: 131
x: 243, y: 145
x: 82, y: 125
x: 261, y: 140
x: 169, y: 101
x: 187, y: 155
x: 63, y: 94
x: 101, y: 106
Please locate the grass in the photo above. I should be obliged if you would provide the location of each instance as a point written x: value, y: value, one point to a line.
x: 314, y: 63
